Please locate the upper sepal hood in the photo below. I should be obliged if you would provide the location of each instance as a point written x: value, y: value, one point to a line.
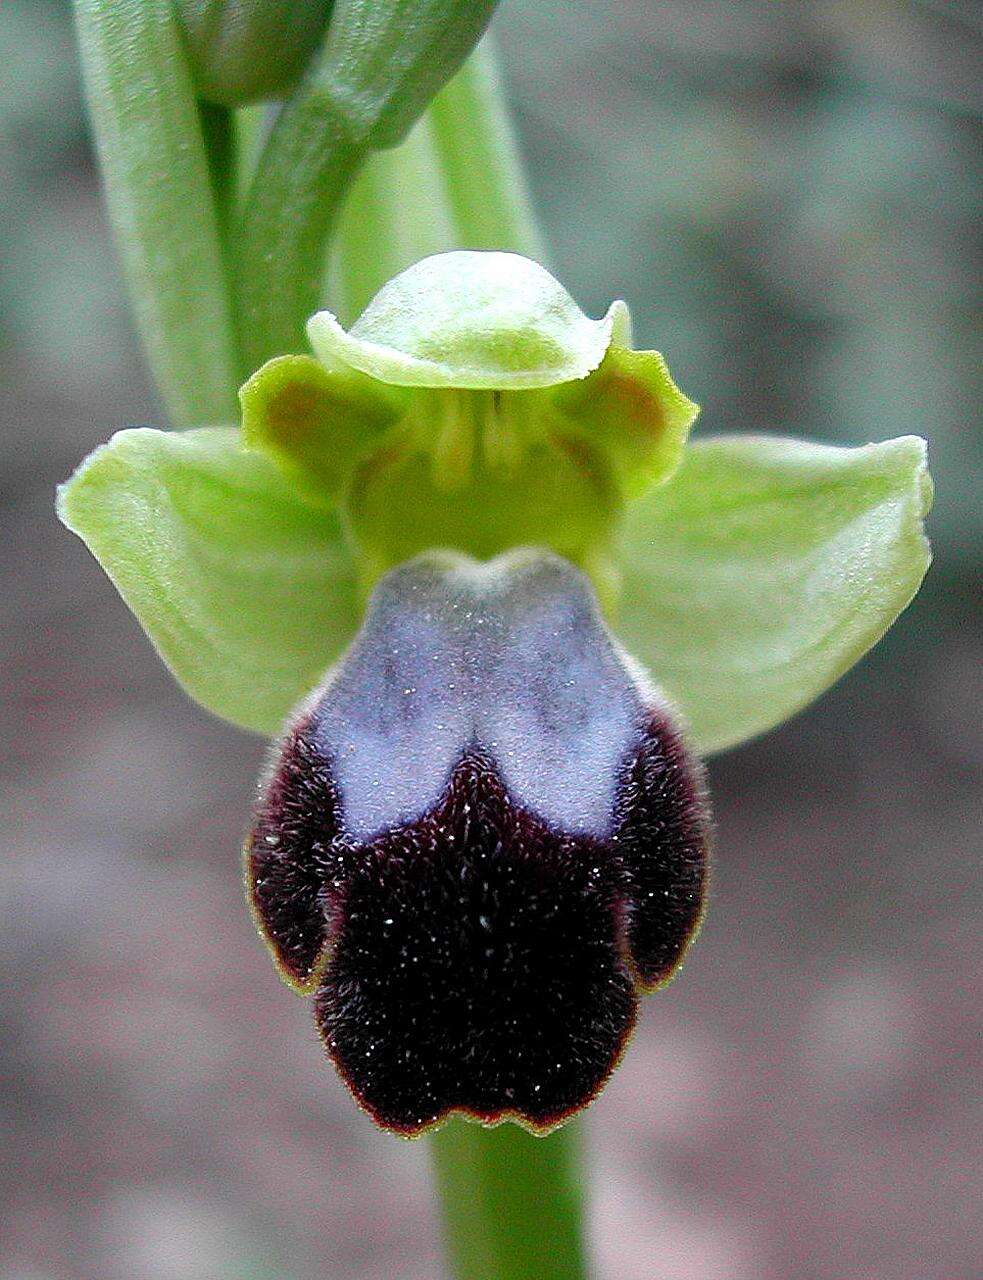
x: 473, y: 404
x: 477, y: 843
x: 475, y: 321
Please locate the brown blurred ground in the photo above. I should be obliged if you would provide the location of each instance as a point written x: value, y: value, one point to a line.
x: 785, y: 195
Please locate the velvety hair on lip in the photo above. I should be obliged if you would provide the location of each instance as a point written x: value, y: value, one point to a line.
x: 477, y: 844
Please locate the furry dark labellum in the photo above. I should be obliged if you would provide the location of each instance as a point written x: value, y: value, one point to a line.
x: 479, y: 841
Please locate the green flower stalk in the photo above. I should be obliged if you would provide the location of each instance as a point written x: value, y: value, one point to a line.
x: 460, y: 561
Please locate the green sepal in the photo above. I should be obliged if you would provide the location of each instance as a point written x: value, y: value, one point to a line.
x: 312, y: 422
x: 764, y: 569
x: 469, y: 320
x: 246, y: 591
x: 631, y: 409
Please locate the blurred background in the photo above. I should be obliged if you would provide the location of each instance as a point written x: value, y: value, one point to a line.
x: 785, y: 195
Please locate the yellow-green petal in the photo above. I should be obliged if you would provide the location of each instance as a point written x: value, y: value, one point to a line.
x: 632, y: 411
x: 314, y: 423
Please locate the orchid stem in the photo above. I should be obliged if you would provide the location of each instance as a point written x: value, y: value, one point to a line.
x: 397, y: 213
x: 512, y: 1203
x: 301, y: 180
x: 148, y: 133
x: 455, y: 183
x: 479, y: 157
x: 219, y: 135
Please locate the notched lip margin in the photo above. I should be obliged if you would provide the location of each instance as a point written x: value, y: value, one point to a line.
x: 486, y: 1119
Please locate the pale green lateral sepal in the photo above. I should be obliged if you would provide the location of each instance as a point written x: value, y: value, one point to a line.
x: 631, y: 409
x: 314, y: 423
x: 474, y: 321
x: 765, y: 569
x: 246, y: 591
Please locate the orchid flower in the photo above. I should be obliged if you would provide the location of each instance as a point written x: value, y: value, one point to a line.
x: 486, y: 789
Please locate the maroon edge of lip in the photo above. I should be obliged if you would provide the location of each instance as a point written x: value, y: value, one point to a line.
x: 636, y: 917
x: 288, y: 856
x: 665, y: 848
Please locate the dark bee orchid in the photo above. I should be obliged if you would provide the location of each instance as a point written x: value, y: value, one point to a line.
x: 483, y: 834
x: 478, y: 842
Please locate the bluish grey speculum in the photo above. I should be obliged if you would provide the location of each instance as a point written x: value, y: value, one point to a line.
x: 479, y: 841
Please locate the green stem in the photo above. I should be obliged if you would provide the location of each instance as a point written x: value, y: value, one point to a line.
x: 149, y: 139
x: 303, y: 176
x: 455, y: 183
x: 381, y: 63
x: 479, y: 157
x: 512, y: 1202
x: 218, y: 133
x: 250, y: 126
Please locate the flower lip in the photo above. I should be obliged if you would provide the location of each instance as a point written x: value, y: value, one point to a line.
x: 502, y: 992
x: 471, y: 320
x: 480, y: 841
